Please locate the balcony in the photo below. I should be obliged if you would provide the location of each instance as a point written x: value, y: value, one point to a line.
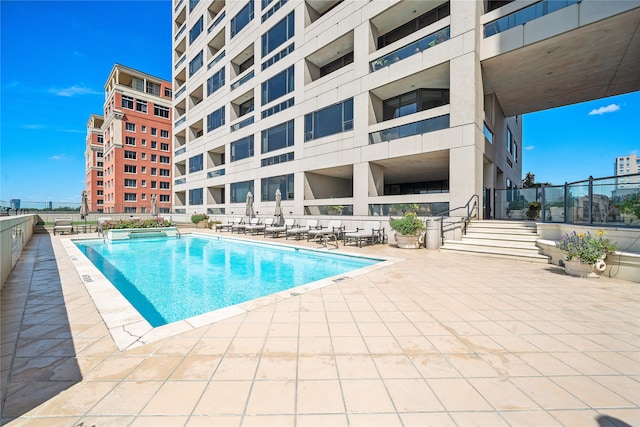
x: 242, y: 80
x: 410, y: 129
x: 413, y: 49
x: 525, y: 15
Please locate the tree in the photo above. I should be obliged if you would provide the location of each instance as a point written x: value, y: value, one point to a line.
x: 529, y: 180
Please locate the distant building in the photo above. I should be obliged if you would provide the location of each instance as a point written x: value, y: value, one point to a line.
x: 128, y: 150
x: 627, y: 165
x: 15, y: 204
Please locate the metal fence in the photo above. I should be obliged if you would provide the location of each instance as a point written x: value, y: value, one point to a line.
x: 611, y: 201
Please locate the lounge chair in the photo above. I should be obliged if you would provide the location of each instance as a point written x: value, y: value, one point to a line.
x: 276, y: 230
x: 239, y: 228
x: 227, y: 226
x: 371, y: 233
x: 62, y: 224
x: 334, y: 227
x: 300, y: 232
x: 258, y: 228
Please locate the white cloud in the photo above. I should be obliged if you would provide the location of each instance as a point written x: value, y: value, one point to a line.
x: 33, y: 126
x: 58, y: 157
x: 73, y: 91
x: 529, y: 147
x: 611, y: 108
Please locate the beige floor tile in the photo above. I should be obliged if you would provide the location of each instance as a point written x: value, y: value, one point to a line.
x: 244, y: 345
x: 343, y: 329
x: 46, y: 422
x: 434, y: 366
x: 314, y: 329
x: 620, y: 362
x: 458, y: 395
x: 196, y: 368
x: 268, y: 421
x: 471, y: 365
x: 176, y: 346
x: 366, y: 396
x: 509, y: 365
x: 356, y: 367
x: 502, y: 394
x: 395, y: 366
x: 592, y: 393
x: 126, y: 398
x: 237, y: 368
x: 317, y: 368
x: 211, y: 346
x: 272, y: 397
x: 281, y: 346
x: 114, y: 368
x: 214, y: 420
x: 224, y: 398
x: 623, y: 386
x: 283, y: 329
x: 104, y: 421
x: 547, y: 394
x: 279, y: 367
x: 159, y: 421
x: 534, y: 418
x: 165, y: 401
x: 368, y: 420
x: 315, y: 345
x: 478, y: 419
x: 322, y: 420
x: 156, y: 368
x: 427, y: 419
x: 349, y: 345
x: 412, y: 395
x: 620, y: 416
x: 546, y: 364
x: 319, y: 397
x: 383, y: 345
x: 583, y: 417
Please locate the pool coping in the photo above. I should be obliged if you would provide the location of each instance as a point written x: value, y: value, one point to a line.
x: 129, y: 329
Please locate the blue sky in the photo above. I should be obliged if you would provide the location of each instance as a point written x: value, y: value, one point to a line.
x: 55, y: 58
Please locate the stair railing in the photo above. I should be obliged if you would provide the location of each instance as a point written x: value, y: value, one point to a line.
x: 471, y: 209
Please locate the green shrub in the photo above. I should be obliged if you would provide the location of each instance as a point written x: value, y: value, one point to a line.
x: 135, y: 223
x: 196, y: 218
x: 408, y: 225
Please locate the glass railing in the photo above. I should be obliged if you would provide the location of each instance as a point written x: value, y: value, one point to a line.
x: 410, y: 129
x: 242, y: 80
x: 278, y: 56
x: 180, y: 92
x: 525, y: 15
x: 178, y: 5
x: 180, y: 151
x: 180, y: 181
x: 215, y: 211
x: 400, y: 209
x: 180, y: 61
x: 240, y: 125
x: 180, y: 31
x: 215, y: 60
x: 181, y: 121
x: 216, y: 22
x: 414, y: 48
x: 346, y: 210
x: 213, y: 174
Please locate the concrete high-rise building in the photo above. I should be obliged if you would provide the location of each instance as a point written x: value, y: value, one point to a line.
x: 627, y: 165
x: 364, y: 107
x: 128, y: 150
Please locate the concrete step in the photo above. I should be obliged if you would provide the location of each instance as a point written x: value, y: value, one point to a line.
x: 492, y: 247
x: 523, y: 242
x: 528, y: 225
x: 497, y: 253
x: 501, y: 234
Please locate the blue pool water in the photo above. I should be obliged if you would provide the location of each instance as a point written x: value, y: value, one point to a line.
x: 168, y: 280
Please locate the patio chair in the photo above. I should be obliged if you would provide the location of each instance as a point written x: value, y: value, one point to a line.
x: 62, y: 225
x: 239, y: 228
x: 227, y: 226
x: 371, y: 233
x: 334, y: 227
x: 276, y: 230
x: 259, y: 227
x: 300, y: 232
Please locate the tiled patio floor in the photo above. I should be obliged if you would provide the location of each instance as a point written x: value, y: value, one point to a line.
x: 436, y: 339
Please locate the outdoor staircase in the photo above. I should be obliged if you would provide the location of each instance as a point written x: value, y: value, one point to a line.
x: 500, y: 239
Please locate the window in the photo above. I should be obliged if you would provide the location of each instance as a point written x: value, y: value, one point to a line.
x: 168, y: 92
x: 242, y: 148
x: 164, y: 198
x: 100, y: 154
x: 414, y: 101
x: 127, y: 102
x: 414, y: 25
x: 195, y: 196
x: 154, y: 184
x: 154, y: 157
x: 129, y: 209
x: 129, y: 140
x: 248, y: 63
x: 509, y: 141
x: 196, y: 64
x: 164, y: 185
x: 515, y: 151
x: 154, y: 131
x: 195, y: 31
x: 161, y: 111
x: 328, y: 121
x: 277, y: 108
x: 282, y: 182
x: 165, y: 172
x: 193, y: 4
x: 131, y: 127
x: 142, y: 107
x: 337, y: 64
x: 274, y: 9
x: 164, y: 133
x: 278, y: 34
x: 245, y: 108
x: 143, y: 183
x: 165, y: 159
x: 154, y: 171
x: 154, y: 144
x: 239, y: 191
x: 144, y: 128
x: 129, y: 182
x: 277, y: 86
x: 268, y: 161
x: 487, y: 133
x: 215, y: 82
x: 143, y: 169
x: 100, y: 193
x: 99, y: 183
x: 100, y: 173
x: 164, y: 146
x: 100, y: 164
x: 277, y: 137
x: 153, y: 88
x: 241, y: 20
x: 130, y: 197
x: 129, y: 169
x: 195, y: 163
x: 215, y: 119
x: 265, y: 3
x: 129, y: 154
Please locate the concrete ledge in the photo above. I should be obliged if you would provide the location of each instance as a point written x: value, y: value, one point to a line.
x: 129, y: 233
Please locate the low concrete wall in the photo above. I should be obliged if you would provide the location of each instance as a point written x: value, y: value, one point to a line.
x: 15, y: 232
x: 623, y: 264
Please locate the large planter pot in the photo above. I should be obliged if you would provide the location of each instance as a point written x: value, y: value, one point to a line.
x: 203, y: 224
x: 578, y: 269
x: 407, y: 242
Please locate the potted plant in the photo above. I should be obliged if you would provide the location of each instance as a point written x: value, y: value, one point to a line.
x: 629, y: 208
x: 200, y: 220
x: 408, y: 230
x: 584, y: 252
x: 211, y: 224
x: 534, y: 210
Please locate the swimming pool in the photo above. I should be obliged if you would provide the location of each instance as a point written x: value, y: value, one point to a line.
x: 169, y: 279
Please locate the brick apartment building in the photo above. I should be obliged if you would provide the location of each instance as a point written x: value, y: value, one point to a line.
x: 128, y: 150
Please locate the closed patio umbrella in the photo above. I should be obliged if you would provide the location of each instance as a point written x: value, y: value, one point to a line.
x: 249, y: 211
x: 154, y: 206
x: 278, y: 211
x: 84, y: 208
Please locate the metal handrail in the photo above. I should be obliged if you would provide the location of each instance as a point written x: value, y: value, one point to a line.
x: 471, y: 211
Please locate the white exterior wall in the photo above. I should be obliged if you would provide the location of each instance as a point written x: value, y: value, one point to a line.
x: 472, y: 163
